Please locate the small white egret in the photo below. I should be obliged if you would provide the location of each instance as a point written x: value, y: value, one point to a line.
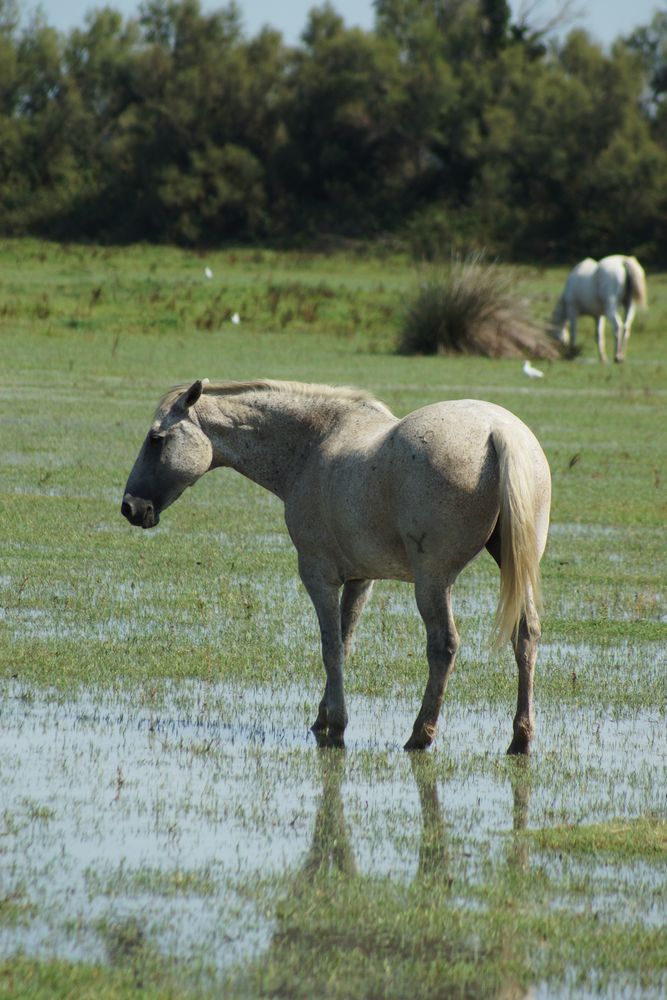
x: 236, y: 319
x: 531, y: 372
x: 208, y: 272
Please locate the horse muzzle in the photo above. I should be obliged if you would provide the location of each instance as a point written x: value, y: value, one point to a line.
x: 140, y: 513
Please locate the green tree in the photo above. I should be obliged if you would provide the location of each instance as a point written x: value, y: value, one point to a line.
x: 36, y: 168
x: 649, y: 43
x: 98, y: 64
x: 205, y: 122
x: 14, y: 185
x: 448, y: 119
x: 343, y: 165
x: 568, y: 163
x: 496, y: 24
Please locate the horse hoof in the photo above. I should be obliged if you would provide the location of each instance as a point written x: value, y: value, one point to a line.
x: 420, y: 742
x: 326, y: 742
x: 423, y: 735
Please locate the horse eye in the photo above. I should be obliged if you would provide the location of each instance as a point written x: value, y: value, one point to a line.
x: 155, y: 436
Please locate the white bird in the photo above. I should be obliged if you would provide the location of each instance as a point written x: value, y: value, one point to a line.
x: 236, y: 319
x: 531, y: 372
x: 208, y: 272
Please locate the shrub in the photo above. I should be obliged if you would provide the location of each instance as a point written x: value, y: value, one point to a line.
x: 469, y: 308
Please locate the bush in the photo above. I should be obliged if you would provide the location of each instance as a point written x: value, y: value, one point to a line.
x: 470, y: 309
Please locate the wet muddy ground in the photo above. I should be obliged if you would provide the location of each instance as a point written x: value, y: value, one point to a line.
x: 170, y: 809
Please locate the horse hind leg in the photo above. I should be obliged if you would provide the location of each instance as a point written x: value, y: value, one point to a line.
x: 442, y: 643
x: 321, y: 723
x: 525, y: 653
x: 602, y: 353
x: 617, y: 326
x: 625, y: 332
x: 524, y: 643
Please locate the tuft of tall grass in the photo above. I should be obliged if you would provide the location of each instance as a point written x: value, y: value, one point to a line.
x: 470, y: 308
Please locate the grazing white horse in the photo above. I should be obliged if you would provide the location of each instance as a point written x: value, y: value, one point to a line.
x: 600, y: 289
x: 368, y: 496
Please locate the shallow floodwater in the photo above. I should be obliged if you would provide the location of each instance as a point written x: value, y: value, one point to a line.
x: 163, y: 808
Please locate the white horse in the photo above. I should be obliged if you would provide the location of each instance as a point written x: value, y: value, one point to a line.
x: 366, y: 497
x: 600, y: 289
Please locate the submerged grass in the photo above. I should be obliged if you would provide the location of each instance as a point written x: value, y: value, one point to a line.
x: 151, y: 881
x: 167, y: 828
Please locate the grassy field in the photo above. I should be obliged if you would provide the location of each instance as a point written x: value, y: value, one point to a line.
x: 167, y: 827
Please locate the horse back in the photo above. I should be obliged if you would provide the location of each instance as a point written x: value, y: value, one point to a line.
x: 450, y: 442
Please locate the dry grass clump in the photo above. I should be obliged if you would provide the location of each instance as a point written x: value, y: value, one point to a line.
x: 470, y: 308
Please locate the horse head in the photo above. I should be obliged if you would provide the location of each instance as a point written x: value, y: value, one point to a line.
x: 174, y: 455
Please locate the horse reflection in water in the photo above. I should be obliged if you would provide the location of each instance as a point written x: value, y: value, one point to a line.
x: 368, y: 496
x: 334, y: 916
x: 331, y: 851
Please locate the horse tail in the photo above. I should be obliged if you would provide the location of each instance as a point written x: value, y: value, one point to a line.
x: 636, y: 279
x: 519, y: 548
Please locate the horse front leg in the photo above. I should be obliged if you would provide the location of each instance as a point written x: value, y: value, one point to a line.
x: 442, y: 643
x: 329, y: 726
x: 525, y: 653
x: 353, y: 600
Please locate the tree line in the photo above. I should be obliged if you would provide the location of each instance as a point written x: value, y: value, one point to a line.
x: 448, y: 124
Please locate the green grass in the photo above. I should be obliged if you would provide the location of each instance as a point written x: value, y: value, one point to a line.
x: 23, y: 978
x: 644, y: 837
x: 171, y: 676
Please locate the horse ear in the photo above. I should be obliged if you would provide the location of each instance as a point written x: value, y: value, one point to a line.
x: 191, y: 395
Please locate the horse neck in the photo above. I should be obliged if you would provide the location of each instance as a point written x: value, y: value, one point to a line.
x: 559, y: 313
x: 264, y: 435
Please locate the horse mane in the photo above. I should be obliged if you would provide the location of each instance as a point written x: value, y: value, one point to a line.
x: 334, y: 393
